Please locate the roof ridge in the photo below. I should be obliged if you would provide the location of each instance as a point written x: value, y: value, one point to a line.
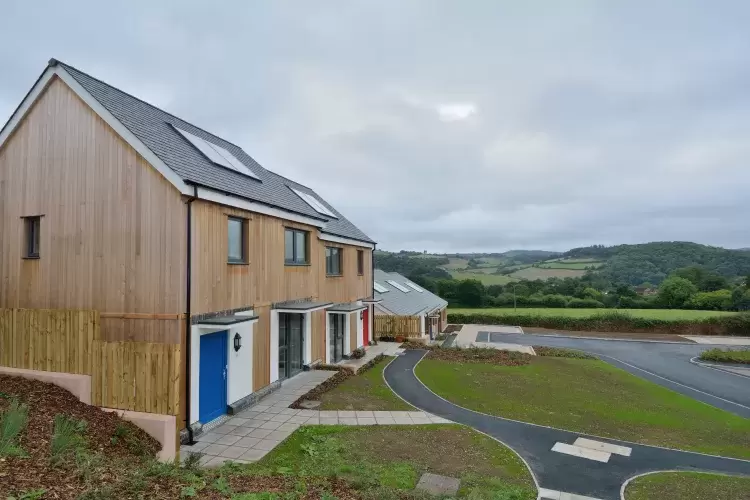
x: 54, y: 62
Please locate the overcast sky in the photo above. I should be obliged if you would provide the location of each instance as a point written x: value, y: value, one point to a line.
x: 445, y: 126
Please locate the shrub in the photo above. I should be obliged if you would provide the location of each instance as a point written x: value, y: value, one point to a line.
x: 559, y: 352
x: 67, y: 438
x: 12, y: 422
x: 741, y: 356
x: 585, y: 304
x: 358, y: 353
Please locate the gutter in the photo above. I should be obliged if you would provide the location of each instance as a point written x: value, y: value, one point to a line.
x: 188, y: 334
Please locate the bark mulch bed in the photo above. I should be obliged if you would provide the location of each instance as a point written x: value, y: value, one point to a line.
x: 45, y: 401
x: 472, y: 354
x: 341, y: 375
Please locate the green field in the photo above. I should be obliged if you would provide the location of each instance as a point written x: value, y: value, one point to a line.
x: 540, y: 273
x: 688, y: 485
x: 570, y: 265
x: 667, y: 314
x: 486, y: 279
x: 592, y: 397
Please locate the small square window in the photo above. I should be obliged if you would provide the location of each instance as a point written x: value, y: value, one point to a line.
x: 237, y: 240
x: 32, y: 229
x: 360, y: 262
x: 295, y: 247
x: 333, y: 261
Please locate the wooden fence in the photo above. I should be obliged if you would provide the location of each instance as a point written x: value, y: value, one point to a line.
x: 392, y: 326
x: 138, y: 376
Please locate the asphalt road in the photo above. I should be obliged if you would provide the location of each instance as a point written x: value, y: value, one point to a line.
x: 553, y: 470
x: 666, y: 364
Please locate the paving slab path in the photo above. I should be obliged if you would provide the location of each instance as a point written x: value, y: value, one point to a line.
x: 578, y: 464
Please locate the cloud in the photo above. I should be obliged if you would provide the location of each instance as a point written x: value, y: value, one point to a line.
x: 456, y: 112
x: 445, y: 126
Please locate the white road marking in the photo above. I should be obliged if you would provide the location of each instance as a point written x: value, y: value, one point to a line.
x: 601, y: 446
x: 577, y: 451
x: 545, y: 494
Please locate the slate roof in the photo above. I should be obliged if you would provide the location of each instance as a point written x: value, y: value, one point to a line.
x: 410, y: 303
x: 154, y: 128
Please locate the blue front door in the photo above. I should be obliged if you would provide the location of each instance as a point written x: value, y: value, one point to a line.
x: 213, y: 376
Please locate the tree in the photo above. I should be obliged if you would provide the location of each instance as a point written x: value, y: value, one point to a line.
x: 470, y: 293
x: 591, y: 293
x: 675, y: 291
x: 719, y: 300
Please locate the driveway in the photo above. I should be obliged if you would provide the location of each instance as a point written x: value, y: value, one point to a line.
x: 666, y: 364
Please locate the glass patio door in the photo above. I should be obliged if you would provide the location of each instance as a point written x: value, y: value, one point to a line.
x: 291, y: 344
x: 336, y: 337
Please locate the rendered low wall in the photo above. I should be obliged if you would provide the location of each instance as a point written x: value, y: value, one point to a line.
x: 78, y: 385
x: 163, y: 428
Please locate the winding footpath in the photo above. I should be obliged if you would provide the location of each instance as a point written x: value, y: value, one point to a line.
x: 554, y: 471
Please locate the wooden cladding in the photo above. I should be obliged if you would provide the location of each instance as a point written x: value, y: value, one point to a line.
x: 218, y: 286
x: 136, y: 376
x: 392, y: 326
x: 112, y: 235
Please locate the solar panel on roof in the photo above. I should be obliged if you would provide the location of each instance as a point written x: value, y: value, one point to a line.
x: 217, y: 154
x: 379, y: 288
x: 313, y: 202
x: 415, y: 287
x: 399, y: 286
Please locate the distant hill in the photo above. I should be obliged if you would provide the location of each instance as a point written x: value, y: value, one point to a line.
x: 631, y: 264
x: 652, y: 262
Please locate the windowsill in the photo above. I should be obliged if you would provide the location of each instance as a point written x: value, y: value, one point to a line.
x: 334, y: 275
x: 293, y: 264
x: 360, y: 274
x: 30, y: 258
x: 243, y: 263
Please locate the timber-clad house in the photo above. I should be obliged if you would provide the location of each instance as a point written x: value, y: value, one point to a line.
x: 175, y: 236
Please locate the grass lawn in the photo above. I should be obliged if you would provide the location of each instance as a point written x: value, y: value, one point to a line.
x: 667, y: 314
x: 540, y: 273
x: 367, y: 391
x: 687, y: 486
x: 589, y: 396
x: 385, y: 462
x: 486, y: 279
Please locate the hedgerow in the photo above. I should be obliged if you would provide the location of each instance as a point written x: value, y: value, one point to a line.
x: 615, y: 321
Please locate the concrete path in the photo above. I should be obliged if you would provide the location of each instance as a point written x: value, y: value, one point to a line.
x: 560, y: 461
x: 252, y: 433
x: 468, y: 335
x: 666, y: 364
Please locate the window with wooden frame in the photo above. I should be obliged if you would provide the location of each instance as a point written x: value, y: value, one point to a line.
x: 333, y: 261
x: 360, y: 262
x: 32, y: 229
x: 296, y: 245
x: 236, y: 240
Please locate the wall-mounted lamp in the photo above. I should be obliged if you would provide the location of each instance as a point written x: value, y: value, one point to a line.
x: 237, y: 342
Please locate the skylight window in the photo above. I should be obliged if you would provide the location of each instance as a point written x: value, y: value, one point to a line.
x: 217, y: 154
x: 399, y: 286
x: 415, y: 287
x: 314, y: 203
x: 379, y: 288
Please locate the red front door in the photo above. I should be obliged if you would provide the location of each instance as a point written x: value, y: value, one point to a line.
x: 366, y: 330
